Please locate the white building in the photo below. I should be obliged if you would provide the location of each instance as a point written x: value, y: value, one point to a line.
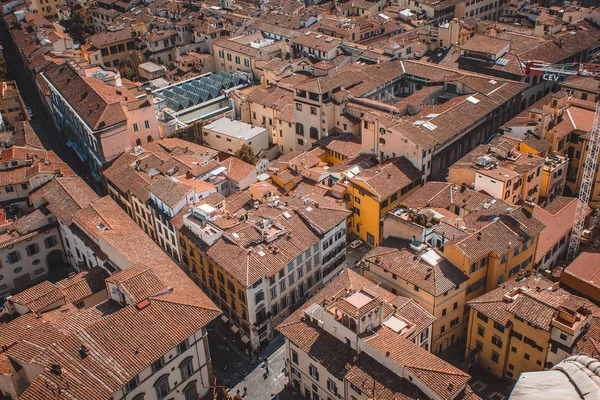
x: 229, y: 136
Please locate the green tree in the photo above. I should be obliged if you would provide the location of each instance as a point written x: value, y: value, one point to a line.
x: 245, y: 153
x: 135, y: 59
x: 81, y: 25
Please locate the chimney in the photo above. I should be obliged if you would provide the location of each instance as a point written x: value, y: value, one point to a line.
x: 149, y: 94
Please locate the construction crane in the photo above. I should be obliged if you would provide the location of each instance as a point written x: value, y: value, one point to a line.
x: 558, y: 73
x: 585, y: 190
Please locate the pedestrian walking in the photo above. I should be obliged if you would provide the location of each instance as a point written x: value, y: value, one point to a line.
x: 245, y: 391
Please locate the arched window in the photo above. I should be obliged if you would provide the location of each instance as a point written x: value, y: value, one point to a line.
x: 149, y: 138
x: 187, y: 368
x: 139, y: 397
x: 162, y: 387
x: 138, y: 142
x: 190, y: 391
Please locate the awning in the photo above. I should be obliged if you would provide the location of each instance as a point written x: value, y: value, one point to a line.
x: 245, y: 339
x: 224, y: 318
x: 234, y: 328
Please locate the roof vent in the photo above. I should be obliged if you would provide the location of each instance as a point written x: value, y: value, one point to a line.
x: 83, y: 351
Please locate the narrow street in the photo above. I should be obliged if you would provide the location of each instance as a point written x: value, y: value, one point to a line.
x: 41, y: 122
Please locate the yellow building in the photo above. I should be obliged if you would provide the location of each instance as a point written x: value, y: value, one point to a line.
x: 11, y: 104
x: 527, y: 324
x: 46, y: 8
x: 486, y: 238
x: 375, y: 191
x: 424, y: 275
x: 114, y: 46
x: 500, y: 170
x: 258, y: 269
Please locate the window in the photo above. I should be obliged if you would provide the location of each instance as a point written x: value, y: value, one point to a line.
x: 313, y: 111
x: 495, y: 357
x: 157, y: 365
x: 273, y: 292
x: 482, y: 317
x: 187, y: 368
x: 294, y: 357
x: 444, y: 312
x: 32, y: 249
x: 299, y: 129
x: 258, y: 297
x: 190, y: 392
x: 147, y: 124
x: 183, y: 346
x: 527, y: 357
x: 497, y: 341
x: 455, y: 306
x: 480, y: 330
x: 298, y: 106
x: 499, y: 327
x: 13, y: 257
x: 443, y: 329
x: 132, y: 384
x: 135, y: 127
x: 291, y: 278
x: 331, y: 386
x: 563, y: 336
x: 313, y: 372
x: 454, y: 322
x: 282, y: 286
x: 314, y: 133
x: 162, y: 387
x: 10, y: 189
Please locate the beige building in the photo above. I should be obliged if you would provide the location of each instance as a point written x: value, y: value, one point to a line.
x: 47, y: 8
x: 114, y: 46
x: 244, y: 53
x: 227, y: 135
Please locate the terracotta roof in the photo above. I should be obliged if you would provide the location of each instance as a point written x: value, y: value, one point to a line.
x: 585, y: 268
x: 84, y: 284
x: 110, y: 37
x: 39, y: 296
x: 584, y: 83
x: 322, y: 347
x: 557, y: 226
x: 247, y: 266
x: 237, y: 169
x: 97, y: 103
x: 347, y: 144
x: 532, y: 301
x: 169, y: 191
x: 395, y: 256
x: 387, y: 178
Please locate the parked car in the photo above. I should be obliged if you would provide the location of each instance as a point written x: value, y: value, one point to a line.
x: 356, y: 243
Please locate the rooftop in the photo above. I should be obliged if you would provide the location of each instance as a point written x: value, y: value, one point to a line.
x: 236, y: 129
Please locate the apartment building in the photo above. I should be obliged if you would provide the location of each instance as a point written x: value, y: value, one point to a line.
x: 486, y: 238
x: 527, y: 324
x: 355, y: 340
x: 565, y: 123
x: 260, y: 267
x: 12, y: 107
x: 581, y: 87
x: 99, y: 121
x: 317, y: 45
x: 159, y: 45
x: 501, y: 171
x: 48, y: 8
x: 375, y: 191
x: 158, y: 182
x: 29, y: 247
x: 157, y: 366
x: 103, y: 17
x: 421, y: 273
x: 483, y: 9
x: 114, y: 46
x: 243, y: 53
